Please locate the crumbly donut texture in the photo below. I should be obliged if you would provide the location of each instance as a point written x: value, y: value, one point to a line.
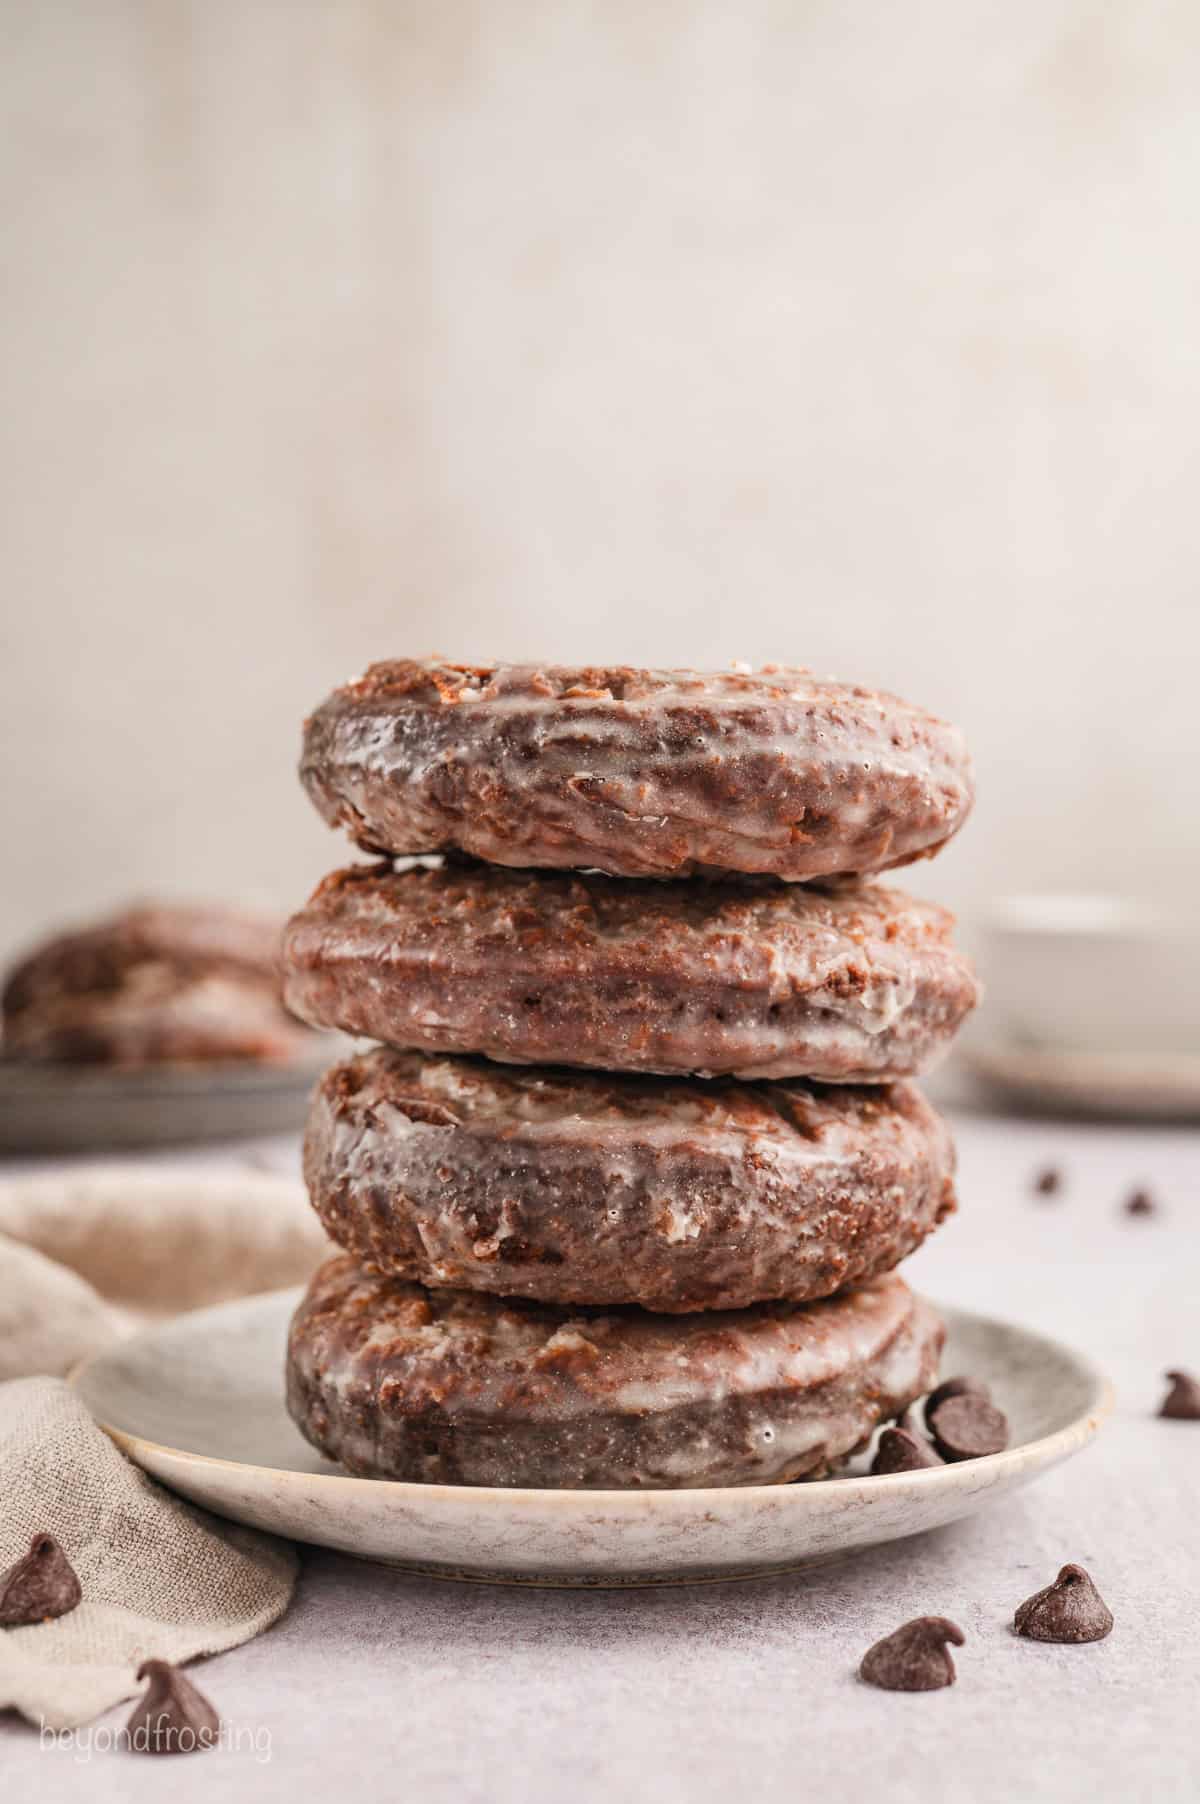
x: 577, y: 1188
x: 849, y: 983
x: 453, y: 1387
x: 641, y: 773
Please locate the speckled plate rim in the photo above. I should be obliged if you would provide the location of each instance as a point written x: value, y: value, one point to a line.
x: 999, y: 1471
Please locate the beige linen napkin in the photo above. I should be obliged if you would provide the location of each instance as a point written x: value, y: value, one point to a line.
x: 161, y: 1579
x: 93, y: 1252
x: 87, y: 1256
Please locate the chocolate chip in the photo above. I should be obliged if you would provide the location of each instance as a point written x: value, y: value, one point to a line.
x: 1048, y: 1181
x: 915, y: 1657
x: 900, y: 1450
x: 1182, y: 1401
x: 1071, y: 1609
x: 41, y: 1585
x: 955, y: 1387
x: 1141, y: 1203
x: 968, y: 1427
x: 171, y: 1717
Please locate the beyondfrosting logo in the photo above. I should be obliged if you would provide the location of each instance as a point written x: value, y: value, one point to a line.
x: 250, y: 1740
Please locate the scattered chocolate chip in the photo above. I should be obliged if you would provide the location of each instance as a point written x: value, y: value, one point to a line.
x: 955, y: 1387
x: 1182, y: 1401
x: 1071, y: 1609
x: 1048, y: 1181
x: 968, y: 1427
x: 915, y: 1657
x: 171, y: 1717
x: 39, y: 1586
x: 1141, y: 1203
x: 900, y: 1450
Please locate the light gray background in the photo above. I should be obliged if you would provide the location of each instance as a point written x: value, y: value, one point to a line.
x: 857, y: 335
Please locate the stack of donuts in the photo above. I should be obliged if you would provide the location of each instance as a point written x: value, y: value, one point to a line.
x: 622, y: 1185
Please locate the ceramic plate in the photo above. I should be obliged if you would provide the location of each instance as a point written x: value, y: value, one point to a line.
x: 76, y: 1108
x: 198, y: 1403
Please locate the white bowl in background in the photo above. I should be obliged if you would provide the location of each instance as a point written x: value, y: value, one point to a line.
x: 1092, y: 973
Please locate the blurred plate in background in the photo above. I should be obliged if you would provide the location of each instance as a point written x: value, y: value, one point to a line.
x: 1116, y: 1086
x: 77, y: 1108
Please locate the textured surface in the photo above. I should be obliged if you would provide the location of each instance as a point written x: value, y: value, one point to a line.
x: 642, y: 773
x: 758, y: 978
x: 451, y: 1387
x: 575, y: 1187
x: 703, y: 1692
x: 157, y: 983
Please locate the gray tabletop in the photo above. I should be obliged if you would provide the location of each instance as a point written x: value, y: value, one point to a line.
x: 376, y: 1682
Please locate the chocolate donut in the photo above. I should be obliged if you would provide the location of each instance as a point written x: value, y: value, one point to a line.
x: 570, y: 1187
x: 752, y: 977
x: 163, y: 982
x: 451, y: 1387
x: 641, y: 773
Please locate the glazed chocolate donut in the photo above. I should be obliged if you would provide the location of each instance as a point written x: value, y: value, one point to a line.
x: 641, y: 773
x: 160, y: 983
x: 752, y: 977
x: 451, y: 1387
x: 570, y: 1187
